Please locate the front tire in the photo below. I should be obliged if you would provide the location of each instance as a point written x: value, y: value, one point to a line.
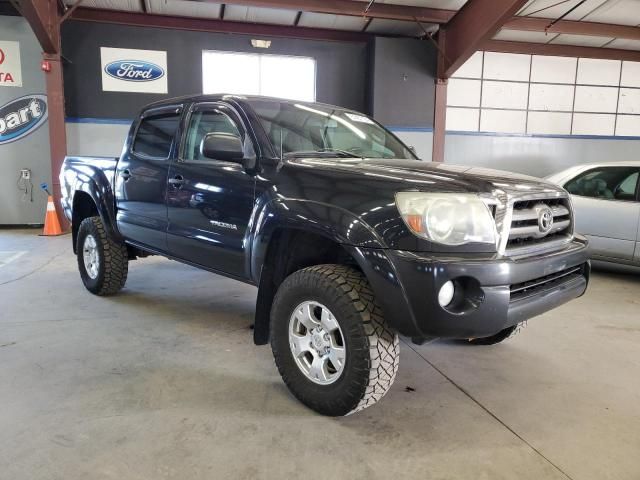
x: 103, y: 263
x: 330, y: 342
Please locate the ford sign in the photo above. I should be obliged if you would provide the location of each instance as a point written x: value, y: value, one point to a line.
x: 134, y: 70
x: 22, y: 116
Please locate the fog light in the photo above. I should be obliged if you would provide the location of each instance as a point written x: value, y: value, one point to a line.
x: 446, y: 294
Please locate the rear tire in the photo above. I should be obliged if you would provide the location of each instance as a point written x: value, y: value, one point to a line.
x: 368, y: 351
x: 103, y: 262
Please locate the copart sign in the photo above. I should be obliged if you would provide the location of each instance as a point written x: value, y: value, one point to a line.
x: 126, y: 70
x: 10, y: 69
x: 22, y: 116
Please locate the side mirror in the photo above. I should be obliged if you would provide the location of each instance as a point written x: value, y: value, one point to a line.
x: 222, y: 146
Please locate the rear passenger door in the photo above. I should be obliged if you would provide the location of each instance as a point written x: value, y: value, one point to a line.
x: 607, y: 211
x: 141, y: 178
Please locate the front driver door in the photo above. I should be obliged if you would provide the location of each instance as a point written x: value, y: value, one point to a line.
x: 607, y: 210
x: 210, y: 201
x: 141, y: 178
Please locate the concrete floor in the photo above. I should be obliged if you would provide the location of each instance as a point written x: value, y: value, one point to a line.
x: 163, y: 381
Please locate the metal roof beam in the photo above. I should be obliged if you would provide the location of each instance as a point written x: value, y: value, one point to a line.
x: 43, y: 17
x: 570, y: 27
x: 561, y: 50
x: 212, y: 25
x: 476, y: 22
x: 355, y: 8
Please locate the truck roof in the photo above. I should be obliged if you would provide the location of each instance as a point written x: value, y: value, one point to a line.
x: 228, y: 96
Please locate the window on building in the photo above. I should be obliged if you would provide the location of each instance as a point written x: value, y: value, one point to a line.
x: 281, y: 76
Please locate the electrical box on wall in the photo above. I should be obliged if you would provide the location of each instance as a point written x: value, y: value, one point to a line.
x: 25, y: 185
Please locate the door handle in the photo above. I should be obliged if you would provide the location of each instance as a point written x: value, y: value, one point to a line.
x: 176, y: 181
x: 125, y: 174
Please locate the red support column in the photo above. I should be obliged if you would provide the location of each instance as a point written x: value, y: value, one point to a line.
x: 44, y: 17
x: 57, y: 130
x: 439, y: 120
x: 440, y: 101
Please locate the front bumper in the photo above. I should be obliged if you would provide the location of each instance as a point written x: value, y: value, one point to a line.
x: 493, y: 292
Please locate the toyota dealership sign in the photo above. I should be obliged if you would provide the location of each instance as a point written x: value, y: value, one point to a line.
x: 10, y: 70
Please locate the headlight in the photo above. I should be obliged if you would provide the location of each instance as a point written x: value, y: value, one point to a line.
x: 447, y: 218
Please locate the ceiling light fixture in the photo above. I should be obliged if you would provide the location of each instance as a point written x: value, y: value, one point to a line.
x: 260, y: 43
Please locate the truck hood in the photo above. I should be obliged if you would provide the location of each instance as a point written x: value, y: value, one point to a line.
x: 366, y: 189
x: 430, y: 176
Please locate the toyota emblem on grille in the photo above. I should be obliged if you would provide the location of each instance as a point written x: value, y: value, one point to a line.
x: 545, y: 219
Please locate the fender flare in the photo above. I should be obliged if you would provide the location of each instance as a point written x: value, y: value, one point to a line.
x: 334, y: 223
x: 324, y: 220
x: 98, y: 188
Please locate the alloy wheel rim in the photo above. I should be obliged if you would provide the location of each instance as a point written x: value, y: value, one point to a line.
x: 317, y: 343
x: 90, y: 256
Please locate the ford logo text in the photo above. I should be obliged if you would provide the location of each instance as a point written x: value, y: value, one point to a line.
x: 134, y: 70
x: 22, y: 116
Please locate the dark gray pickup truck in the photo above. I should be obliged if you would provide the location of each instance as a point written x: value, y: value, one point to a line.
x: 350, y: 239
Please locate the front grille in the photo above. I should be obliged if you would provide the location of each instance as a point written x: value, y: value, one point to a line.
x: 535, y: 286
x: 526, y: 229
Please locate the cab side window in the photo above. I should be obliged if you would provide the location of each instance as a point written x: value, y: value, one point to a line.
x: 200, y: 124
x: 155, y: 135
x: 608, y: 183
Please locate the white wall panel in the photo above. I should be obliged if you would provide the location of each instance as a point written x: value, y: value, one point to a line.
x: 504, y: 94
x: 422, y: 142
x: 598, y: 72
x: 553, y: 69
x: 96, y: 139
x: 503, y: 121
x: 629, y: 100
x: 463, y: 93
x: 546, y: 123
x: 506, y: 66
x: 462, y: 119
x: 544, y: 96
x: 629, y: 126
x: 593, y: 124
x: 630, y: 74
x: 472, y: 68
x: 596, y: 99
x: 539, y: 156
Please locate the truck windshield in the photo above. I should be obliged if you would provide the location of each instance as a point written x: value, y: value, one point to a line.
x: 317, y: 130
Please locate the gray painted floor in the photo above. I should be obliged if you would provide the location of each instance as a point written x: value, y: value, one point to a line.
x: 162, y: 381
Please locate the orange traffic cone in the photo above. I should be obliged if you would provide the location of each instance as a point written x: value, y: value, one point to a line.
x: 51, y: 222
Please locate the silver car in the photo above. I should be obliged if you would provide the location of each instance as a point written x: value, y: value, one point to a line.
x: 607, y: 208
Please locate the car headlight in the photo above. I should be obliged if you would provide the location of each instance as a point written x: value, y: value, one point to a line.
x: 447, y: 218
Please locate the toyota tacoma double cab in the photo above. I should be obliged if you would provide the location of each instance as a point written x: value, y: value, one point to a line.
x: 350, y: 239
